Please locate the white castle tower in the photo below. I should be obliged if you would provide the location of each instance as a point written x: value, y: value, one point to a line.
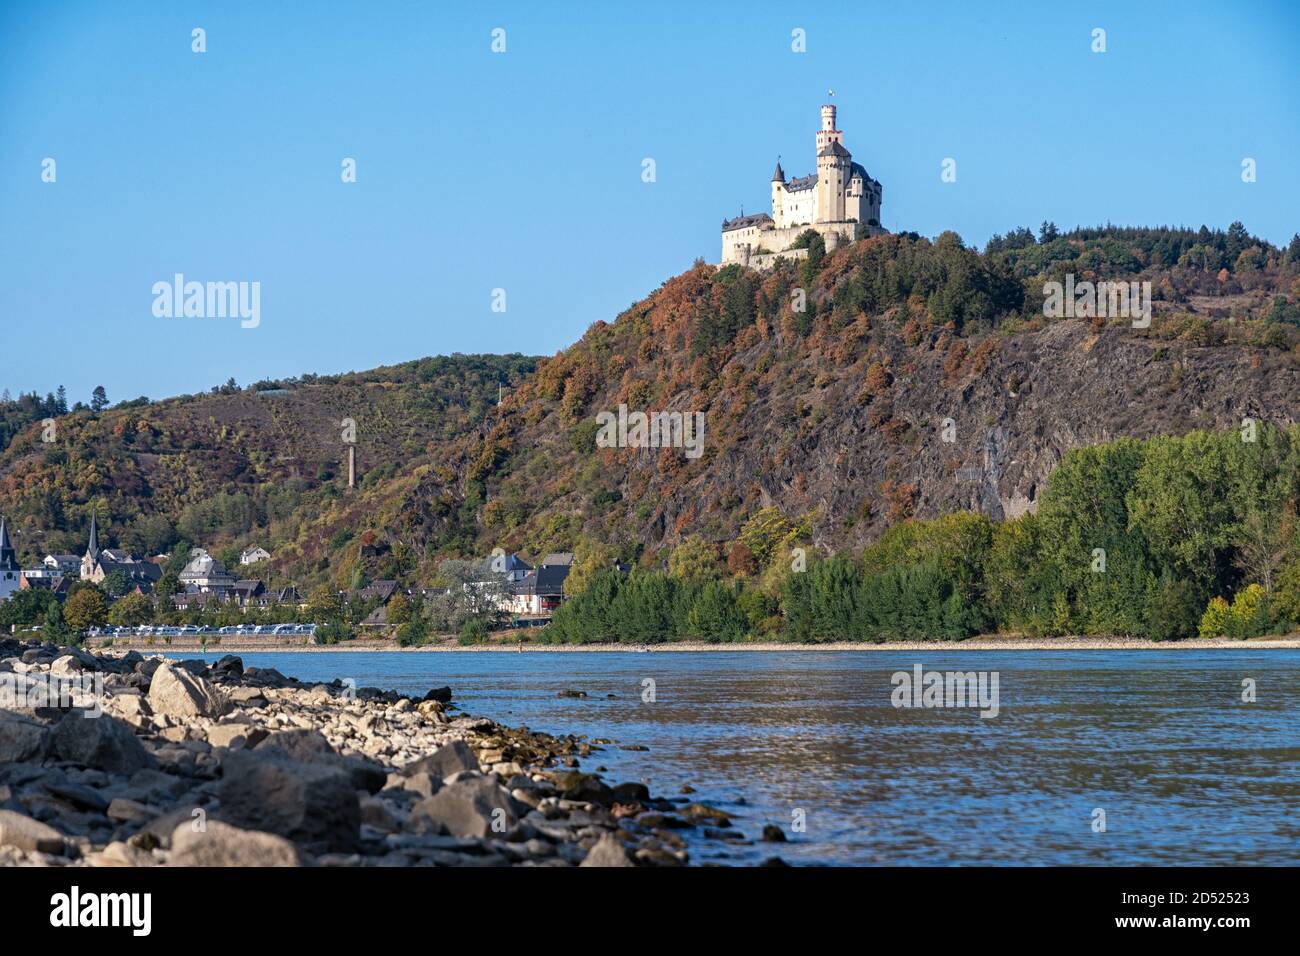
x: 840, y: 201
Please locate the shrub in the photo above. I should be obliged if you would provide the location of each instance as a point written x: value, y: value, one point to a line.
x: 474, y: 631
x: 1214, y: 621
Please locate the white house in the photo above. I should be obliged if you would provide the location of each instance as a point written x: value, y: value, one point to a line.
x: 254, y: 555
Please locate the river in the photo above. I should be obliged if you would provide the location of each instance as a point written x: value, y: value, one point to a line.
x: 1094, y: 757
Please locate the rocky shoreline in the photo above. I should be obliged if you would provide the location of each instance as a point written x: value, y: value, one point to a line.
x: 119, y: 759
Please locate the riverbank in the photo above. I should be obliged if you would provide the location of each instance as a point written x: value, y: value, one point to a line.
x: 124, y: 759
x: 987, y: 643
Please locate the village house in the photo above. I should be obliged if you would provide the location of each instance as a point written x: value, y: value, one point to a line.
x: 66, y: 565
x: 57, y: 585
x: 254, y: 555
x: 205, y: 573
x: 245, y: 592
x: 540, y: 590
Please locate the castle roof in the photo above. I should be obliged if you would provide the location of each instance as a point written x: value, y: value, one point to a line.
x: 833, y: 149
x: 740, y: 222
x: 857, y: 169
x: 801, y: 182
x: 779, y: 175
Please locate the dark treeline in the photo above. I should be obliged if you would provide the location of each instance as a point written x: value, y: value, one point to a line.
x: 1164, y: 538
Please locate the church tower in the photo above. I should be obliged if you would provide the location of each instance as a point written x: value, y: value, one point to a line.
x: 91, y: 557
x: 10, y: 572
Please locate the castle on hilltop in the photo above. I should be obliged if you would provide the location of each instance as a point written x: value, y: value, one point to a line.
x: 841, y: 202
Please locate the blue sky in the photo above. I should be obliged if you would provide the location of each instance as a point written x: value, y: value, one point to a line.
x: 522, y: 170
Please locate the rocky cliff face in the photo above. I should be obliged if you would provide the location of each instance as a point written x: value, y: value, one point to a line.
x: 857, y: 424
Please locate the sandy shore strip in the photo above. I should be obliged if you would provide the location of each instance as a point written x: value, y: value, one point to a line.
x: 992, y: 643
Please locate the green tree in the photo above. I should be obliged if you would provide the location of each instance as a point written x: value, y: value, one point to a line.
x: 86, y: 609
x: 715, y: 616
x: 131, y: 611
x: 694, y: 559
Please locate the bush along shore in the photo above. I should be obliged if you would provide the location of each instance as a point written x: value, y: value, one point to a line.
x: 144, y: 761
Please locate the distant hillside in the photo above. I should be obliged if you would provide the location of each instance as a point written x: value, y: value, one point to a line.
x: 264, y: 465
x: 834, y: 415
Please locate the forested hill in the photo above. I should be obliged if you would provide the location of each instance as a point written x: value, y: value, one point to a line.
x: 261, y: 465
x: 835, y: 415
x: 921, y: 377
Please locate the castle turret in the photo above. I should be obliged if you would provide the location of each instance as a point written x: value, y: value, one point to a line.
x: 778, y: 196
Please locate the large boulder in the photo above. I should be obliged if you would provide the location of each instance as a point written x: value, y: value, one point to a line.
x: 24, y: 833
x: 445, y: 761
x: 220, y: 844
x: 20, y: 739
x: 103, y: 743
x: 310, y: 746
x: 310, y: 803
x: 229, y: 666
x: 176, y: 692
x: 469, y: 807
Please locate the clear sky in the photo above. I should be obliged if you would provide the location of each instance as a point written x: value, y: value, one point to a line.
x: 522, y: 170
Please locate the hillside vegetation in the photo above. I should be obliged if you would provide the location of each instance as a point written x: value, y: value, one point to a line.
x: 848, y: 400
x: 262, y: 465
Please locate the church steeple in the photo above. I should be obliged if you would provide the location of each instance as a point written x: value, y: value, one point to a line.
x: 92, y: 549
x: 8, y: 561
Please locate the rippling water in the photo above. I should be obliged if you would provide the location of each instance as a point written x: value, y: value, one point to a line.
x: 1185, y: 772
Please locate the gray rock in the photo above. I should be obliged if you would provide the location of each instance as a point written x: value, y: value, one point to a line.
x: 124, y: 811
x: 176, y: 692
x: 20, y: 739
x: 445, y: 761
x: 220, y: 844
x: 608, y: 851
x: 104, y: 743
x: 424, y: 783
x: 236, y: 736
x: 32, y: 836
x: 310, y: 803
x: 310, y: 746
x: 469, y: 807
x: 129, y: 707
x: 84, y: 798
x: 66, y: 665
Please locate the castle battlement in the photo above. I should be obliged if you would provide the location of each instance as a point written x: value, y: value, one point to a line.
x: 841, y: 202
